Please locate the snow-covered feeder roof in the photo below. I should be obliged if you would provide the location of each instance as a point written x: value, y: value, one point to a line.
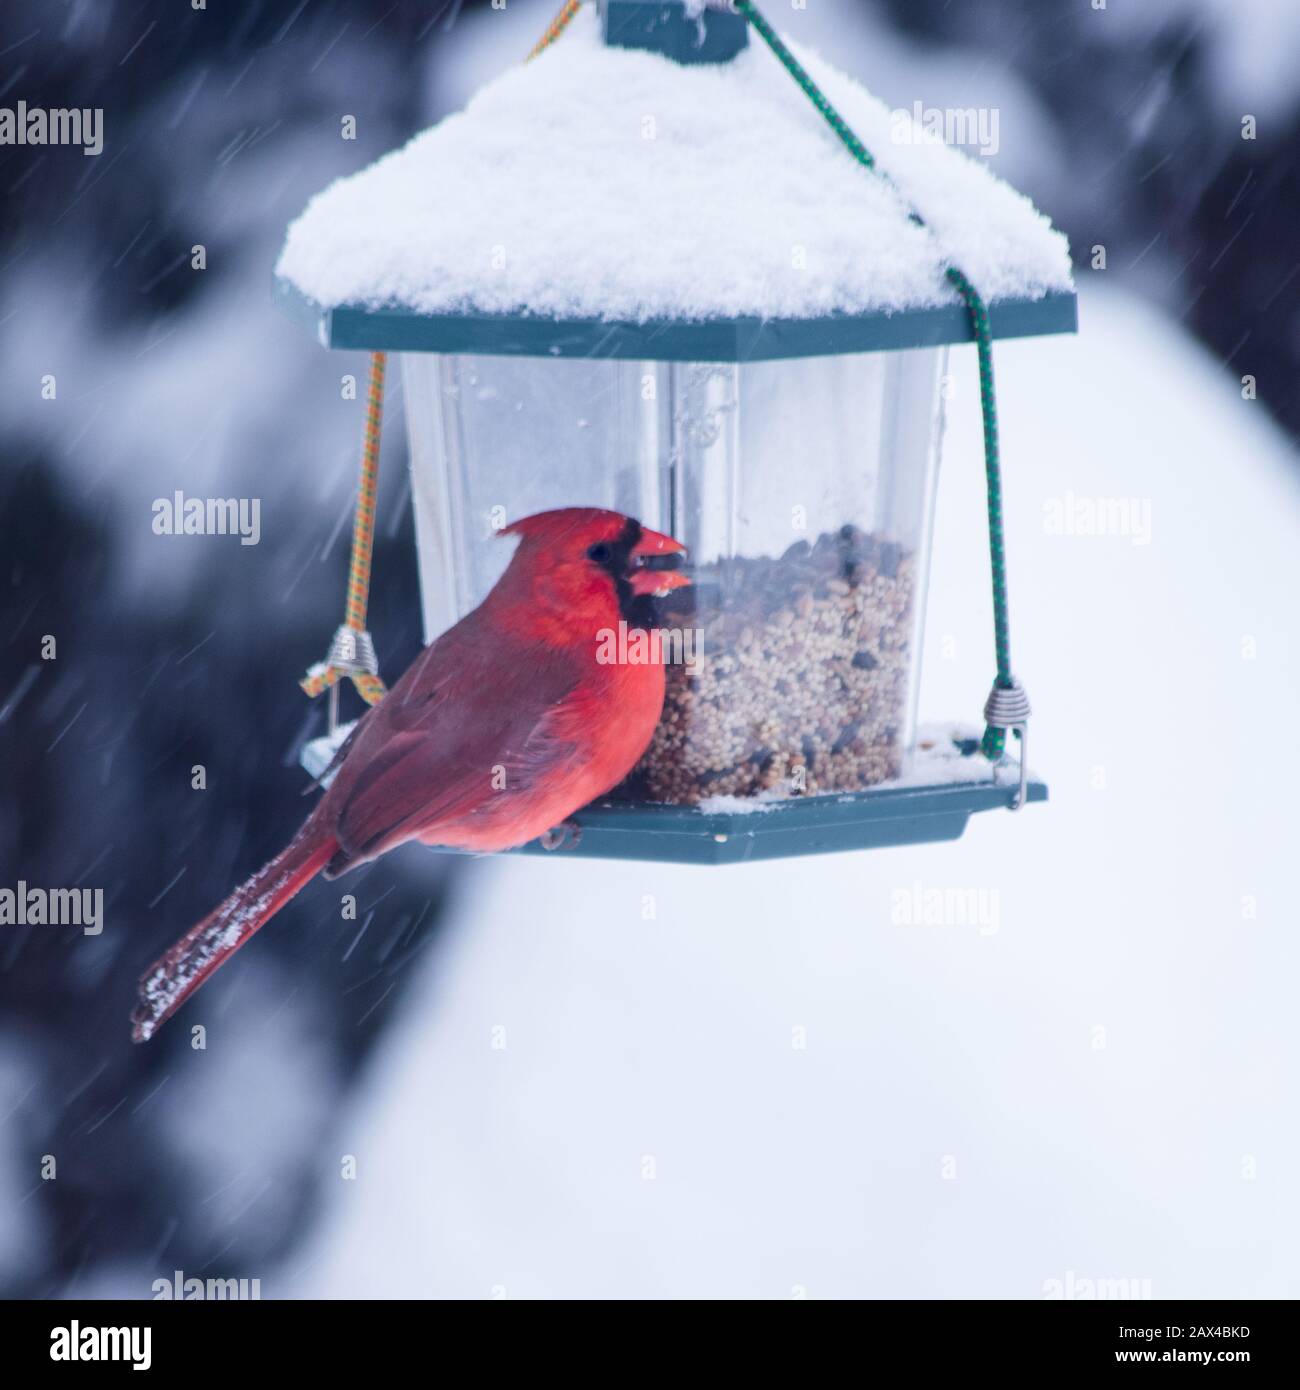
x: 608, y: 201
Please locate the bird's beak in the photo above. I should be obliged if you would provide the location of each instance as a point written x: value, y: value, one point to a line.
x: 654, y: 558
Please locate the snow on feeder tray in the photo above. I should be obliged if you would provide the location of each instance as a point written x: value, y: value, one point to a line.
x: 647, y: 273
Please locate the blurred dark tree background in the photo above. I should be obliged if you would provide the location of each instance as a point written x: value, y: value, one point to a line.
x: 220, y: 123
x: 195, y: 663
x: 1152, y: 161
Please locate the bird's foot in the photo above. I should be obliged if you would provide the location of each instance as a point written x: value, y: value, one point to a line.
x: 566, y: 835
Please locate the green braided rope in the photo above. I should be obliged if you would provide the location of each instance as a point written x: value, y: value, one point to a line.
x: 994, y: 743
x: 810, y: 89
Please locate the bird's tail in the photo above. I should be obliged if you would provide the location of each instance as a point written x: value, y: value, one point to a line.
x: 173, y: 977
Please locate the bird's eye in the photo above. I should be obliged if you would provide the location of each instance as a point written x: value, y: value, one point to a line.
x: 600, y: 553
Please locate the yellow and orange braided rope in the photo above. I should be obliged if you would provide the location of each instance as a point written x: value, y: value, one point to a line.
x: 557, y: 26
x: 368, y: 685
x: 363, y: 528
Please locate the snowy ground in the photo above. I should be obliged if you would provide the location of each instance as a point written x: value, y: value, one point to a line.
x: 629, y: 1080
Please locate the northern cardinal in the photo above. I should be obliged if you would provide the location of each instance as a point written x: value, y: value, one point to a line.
x: 499, y: 731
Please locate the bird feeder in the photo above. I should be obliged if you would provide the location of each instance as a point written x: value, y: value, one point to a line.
x: 646, y: 272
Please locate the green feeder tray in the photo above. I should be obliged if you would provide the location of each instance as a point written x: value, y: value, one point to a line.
x: 804, y: 825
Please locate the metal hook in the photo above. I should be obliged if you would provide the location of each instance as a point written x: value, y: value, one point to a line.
x: 1018, y: 800
x: 1008, y: 708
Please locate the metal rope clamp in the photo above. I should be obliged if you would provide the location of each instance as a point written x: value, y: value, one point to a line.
x: 352, y: 652
x: 1008, y: 708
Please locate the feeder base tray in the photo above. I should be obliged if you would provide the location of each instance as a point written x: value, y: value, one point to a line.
x: 804, y: 825
x: 947, y: 785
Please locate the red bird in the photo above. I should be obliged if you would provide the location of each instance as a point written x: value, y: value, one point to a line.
x: 500, y: 730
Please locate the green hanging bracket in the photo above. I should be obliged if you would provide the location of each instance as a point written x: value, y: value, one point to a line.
x: 700, y: 33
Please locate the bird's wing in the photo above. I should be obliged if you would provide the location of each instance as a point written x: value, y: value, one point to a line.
x: 472, y: 720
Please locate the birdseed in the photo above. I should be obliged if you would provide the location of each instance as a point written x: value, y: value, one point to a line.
x: 801, y: 682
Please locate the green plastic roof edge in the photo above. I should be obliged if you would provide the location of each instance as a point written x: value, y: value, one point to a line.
x: 715, y: 36
x: 361, y: 328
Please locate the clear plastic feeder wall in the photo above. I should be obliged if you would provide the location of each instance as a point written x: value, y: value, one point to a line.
x: 804, y: 490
